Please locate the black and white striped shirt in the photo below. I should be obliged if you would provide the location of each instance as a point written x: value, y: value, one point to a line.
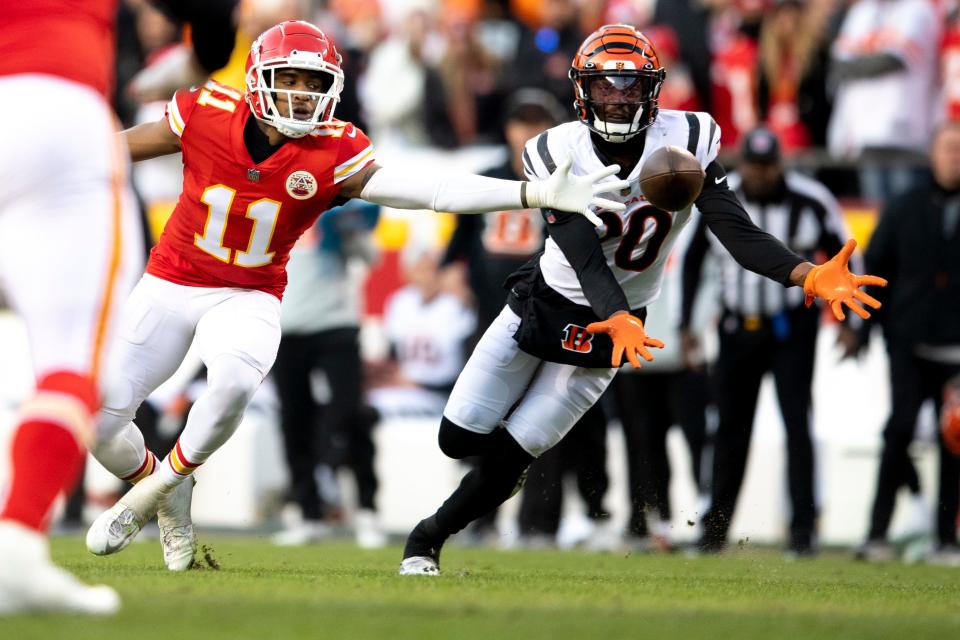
x: 806, y: 218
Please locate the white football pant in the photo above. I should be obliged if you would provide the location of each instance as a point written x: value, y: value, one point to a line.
x: 237, y: 333
x: 550, y: 398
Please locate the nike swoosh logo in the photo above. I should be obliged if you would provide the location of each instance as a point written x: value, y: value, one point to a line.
x: 719, y: 180
x: 352, y: 133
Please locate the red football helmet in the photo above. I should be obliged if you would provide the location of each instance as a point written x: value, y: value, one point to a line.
x: 616, y: 77
x: 297, y: 45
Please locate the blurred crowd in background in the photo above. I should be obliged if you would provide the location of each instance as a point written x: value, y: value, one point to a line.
x: 842, y: 83
x: 852, y: 90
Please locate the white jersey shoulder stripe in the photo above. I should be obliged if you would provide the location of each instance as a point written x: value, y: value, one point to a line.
x: 543, y: 149
x: 174, y: 119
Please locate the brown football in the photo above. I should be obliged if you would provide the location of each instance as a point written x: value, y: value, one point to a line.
x: 671, y: 178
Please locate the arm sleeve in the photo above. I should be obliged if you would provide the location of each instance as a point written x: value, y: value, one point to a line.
x: 692, y: 268
x: 580, y: 244
x: 754, y: 249
x: 212, y: 28
x: 456, y: 193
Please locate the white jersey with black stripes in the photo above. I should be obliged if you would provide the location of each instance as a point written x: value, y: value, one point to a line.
x: 636, y: 242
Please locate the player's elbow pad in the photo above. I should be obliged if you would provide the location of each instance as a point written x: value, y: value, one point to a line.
x: 456, y: 193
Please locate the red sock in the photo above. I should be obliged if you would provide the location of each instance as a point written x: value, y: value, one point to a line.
x: 46, y: 460
x: 46, y: 453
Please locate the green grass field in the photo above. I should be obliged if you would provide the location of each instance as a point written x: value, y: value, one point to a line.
x: 338, y: 591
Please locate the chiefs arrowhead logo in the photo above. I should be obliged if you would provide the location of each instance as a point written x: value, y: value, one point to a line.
x: 301, y: 185
x: 576, y: 338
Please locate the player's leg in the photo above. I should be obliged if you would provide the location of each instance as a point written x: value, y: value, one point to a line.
x: 557, y: 396
x: 238, y: 340
x: 154, y: 335
x: 237, y: 336
x: 155, y: 332
x: 68, y: 253
x: 492, y: 381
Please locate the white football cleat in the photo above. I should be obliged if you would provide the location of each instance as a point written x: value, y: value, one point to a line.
x: 30, y: 581
x: 115, y: 528
x: 177, y: 538
x: 419, y: 566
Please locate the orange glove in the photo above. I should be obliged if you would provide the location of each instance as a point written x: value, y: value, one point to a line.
x: 628, y: 335
x: 833, y: 282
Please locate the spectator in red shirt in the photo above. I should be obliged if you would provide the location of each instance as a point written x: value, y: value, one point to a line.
x: 792, y: 75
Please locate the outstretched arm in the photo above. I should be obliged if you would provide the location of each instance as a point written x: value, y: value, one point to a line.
x: 469, y: 193
x: 761, y: 253
x: 150, y: 140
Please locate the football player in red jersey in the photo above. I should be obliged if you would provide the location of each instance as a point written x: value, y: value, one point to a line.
x: 69, y: 253
x: 259, y: 168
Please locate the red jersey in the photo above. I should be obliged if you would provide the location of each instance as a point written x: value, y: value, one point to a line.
x: 236, y: 220
x: 734, y: 78
x: 72, y: 39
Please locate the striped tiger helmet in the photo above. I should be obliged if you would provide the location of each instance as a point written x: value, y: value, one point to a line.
x: 616, y: 77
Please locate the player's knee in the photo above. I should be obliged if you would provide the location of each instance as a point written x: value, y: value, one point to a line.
x: 119, y: 407
x: 123, y: 443
x: 534, y: 439
x: 110, y: 422
x: 457, y: 442
x: 231, y: 384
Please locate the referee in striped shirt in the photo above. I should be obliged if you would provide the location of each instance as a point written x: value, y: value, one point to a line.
x: 765, y: 328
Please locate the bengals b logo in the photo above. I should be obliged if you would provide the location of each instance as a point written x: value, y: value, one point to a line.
x: 577, y: 338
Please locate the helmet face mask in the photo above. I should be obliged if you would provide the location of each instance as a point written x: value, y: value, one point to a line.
x: 616, y: 77
x: 293, y: 46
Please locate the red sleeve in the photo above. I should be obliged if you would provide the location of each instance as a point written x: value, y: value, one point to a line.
x: 179, y: 109
x: 355, y: 153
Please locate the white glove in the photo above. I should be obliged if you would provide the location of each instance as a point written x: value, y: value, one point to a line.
x: 566, y: 192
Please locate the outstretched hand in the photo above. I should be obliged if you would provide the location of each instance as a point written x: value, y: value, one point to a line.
x: 834, y: 282
x: 565, y: 191
x: 628, y: 337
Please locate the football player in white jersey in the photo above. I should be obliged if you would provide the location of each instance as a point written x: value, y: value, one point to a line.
x: 576, y: 309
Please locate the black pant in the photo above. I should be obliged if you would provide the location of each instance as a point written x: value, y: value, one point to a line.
x: 336, y: 434
x: 912, y: 381
x: 584, y: 450
x: 748, y: 350
x: 649, y: 404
